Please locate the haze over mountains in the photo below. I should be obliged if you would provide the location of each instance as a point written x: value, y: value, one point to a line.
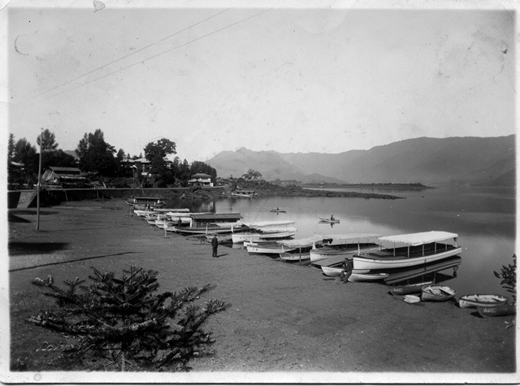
x: 461, y: 160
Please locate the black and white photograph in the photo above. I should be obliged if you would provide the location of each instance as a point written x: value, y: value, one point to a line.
x: 259, y: 192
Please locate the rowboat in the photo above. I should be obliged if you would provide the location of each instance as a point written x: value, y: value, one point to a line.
x: 332, y: 271
x: 278, y: 210
x: 437, y: 293
x: 328, y: 220
x: 476, y: 300
x: 409, y: 288
x: 367, y: 276
x: 502, y: 310
x: 409, y: 250
x: 344, y: 245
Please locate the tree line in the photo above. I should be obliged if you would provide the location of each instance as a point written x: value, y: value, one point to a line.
x: 98, y: 158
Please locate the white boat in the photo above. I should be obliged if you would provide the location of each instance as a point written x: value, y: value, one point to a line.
x: 265, y: 248
x: 408, y: 250
x: 476, y: 300
x: 209, y: 223
x: 244, y: 193
x: 344, y: 245
x: 264, y: 234
x: 332, y: 271
x: 367, y: 276
x: 299, y: 248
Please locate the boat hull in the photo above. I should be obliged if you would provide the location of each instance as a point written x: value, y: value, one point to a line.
x: 437, y: 293
x: 503, y: 310
x: 365, y: 262
x: 476, y: 300
x: 358, y: 277
x: 409, y: 288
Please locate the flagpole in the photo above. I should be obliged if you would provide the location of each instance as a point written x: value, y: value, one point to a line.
x: 38, y: 185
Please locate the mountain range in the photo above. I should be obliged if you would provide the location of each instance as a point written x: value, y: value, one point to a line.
x: 460, y: 160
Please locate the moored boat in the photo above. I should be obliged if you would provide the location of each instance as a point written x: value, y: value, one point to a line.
x: 329, y: 220
x: 264, y: 248
x: 344, y: 245
x: 332, y: 271
x: 476, y: 300
x: 367, y: 276
x: 244, y: 193
x: 437, y: 293
x: 409, y: 288
x: 264, y: 234
x: 409, y: 250
x: 502, y: 310
x: 299, y: 248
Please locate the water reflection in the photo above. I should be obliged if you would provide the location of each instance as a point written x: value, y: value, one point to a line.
x: 484, y: 218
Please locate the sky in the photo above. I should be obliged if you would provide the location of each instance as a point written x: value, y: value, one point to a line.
x: 323, y: 76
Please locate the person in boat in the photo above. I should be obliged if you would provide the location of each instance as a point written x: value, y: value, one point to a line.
x: 348, y: 266
x: 214, y: 245
x: 331, y: 217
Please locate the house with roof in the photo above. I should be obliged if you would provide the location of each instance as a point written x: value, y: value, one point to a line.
x: 200, y: 179
x: 63, y: 177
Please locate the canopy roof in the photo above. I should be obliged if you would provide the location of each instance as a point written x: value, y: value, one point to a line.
x: 216, y: 216
x: 305, y: 242
x: 261, y: 224
x: 351, y: 237
x: 420, y: 238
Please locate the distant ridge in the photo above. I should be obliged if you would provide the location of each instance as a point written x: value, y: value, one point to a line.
x: 455, y: 160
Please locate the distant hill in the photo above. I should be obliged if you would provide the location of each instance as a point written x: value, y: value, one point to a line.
x: 467, y: 160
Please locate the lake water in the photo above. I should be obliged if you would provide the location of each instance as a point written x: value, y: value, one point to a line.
x: 484, y: 219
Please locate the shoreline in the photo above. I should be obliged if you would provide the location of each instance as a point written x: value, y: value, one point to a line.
x: 284, y: 317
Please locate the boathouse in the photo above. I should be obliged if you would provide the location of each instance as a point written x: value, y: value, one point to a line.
x: 64, y: 177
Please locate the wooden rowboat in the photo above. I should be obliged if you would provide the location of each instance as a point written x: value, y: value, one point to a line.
x: 409, y: 288
x: 332, y: 271
x: 502, y: 310
x: 467, y: 301
x: 437, y: 293
x: 328, y: 220
x: 367, y: 276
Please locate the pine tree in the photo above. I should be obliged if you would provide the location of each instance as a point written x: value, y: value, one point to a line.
x: 122, y: 321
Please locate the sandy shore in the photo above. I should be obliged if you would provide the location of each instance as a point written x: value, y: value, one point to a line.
x: 286, y: 321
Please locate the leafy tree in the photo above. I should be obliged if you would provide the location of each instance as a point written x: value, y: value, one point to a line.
x: 47, y: 139
x: 25, y: 153
x: 58, y: 158
x: 96, y: 155
x: 508, y: 276
x: 155, y: 152
x: 124, y: 322
x: 251, y: 175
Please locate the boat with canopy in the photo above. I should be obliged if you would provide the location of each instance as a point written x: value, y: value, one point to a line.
x: 408, y: 250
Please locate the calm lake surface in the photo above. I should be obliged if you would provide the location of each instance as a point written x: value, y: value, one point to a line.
x: 484, y: 219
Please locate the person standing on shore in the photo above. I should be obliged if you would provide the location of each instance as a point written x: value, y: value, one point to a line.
x: 214, y: 245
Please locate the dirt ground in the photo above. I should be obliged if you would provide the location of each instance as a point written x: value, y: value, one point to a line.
x: 287, y: 323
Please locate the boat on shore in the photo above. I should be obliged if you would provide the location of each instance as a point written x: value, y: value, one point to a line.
x: 502, y: 310
x: 437, y: 293
x: 409, y: 250
x: 265, y: 230
x: 406, y: 289
x: 209, y: 223
x: 299, y: 248
x: 344, y: 245
x: 367, y: 276
x: 476, y: 300
x: 265, y: 247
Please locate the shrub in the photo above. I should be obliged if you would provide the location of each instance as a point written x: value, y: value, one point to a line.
x: 508, y: 276
x: 122, y: 321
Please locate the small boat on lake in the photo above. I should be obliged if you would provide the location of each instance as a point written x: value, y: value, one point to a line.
x: 409, y: 250
x: 476, y: 300
x: 502, y: 310
x: 329, y: 220
x: 244, y: 193
x: 437, y: 293
x: 277, y: 210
